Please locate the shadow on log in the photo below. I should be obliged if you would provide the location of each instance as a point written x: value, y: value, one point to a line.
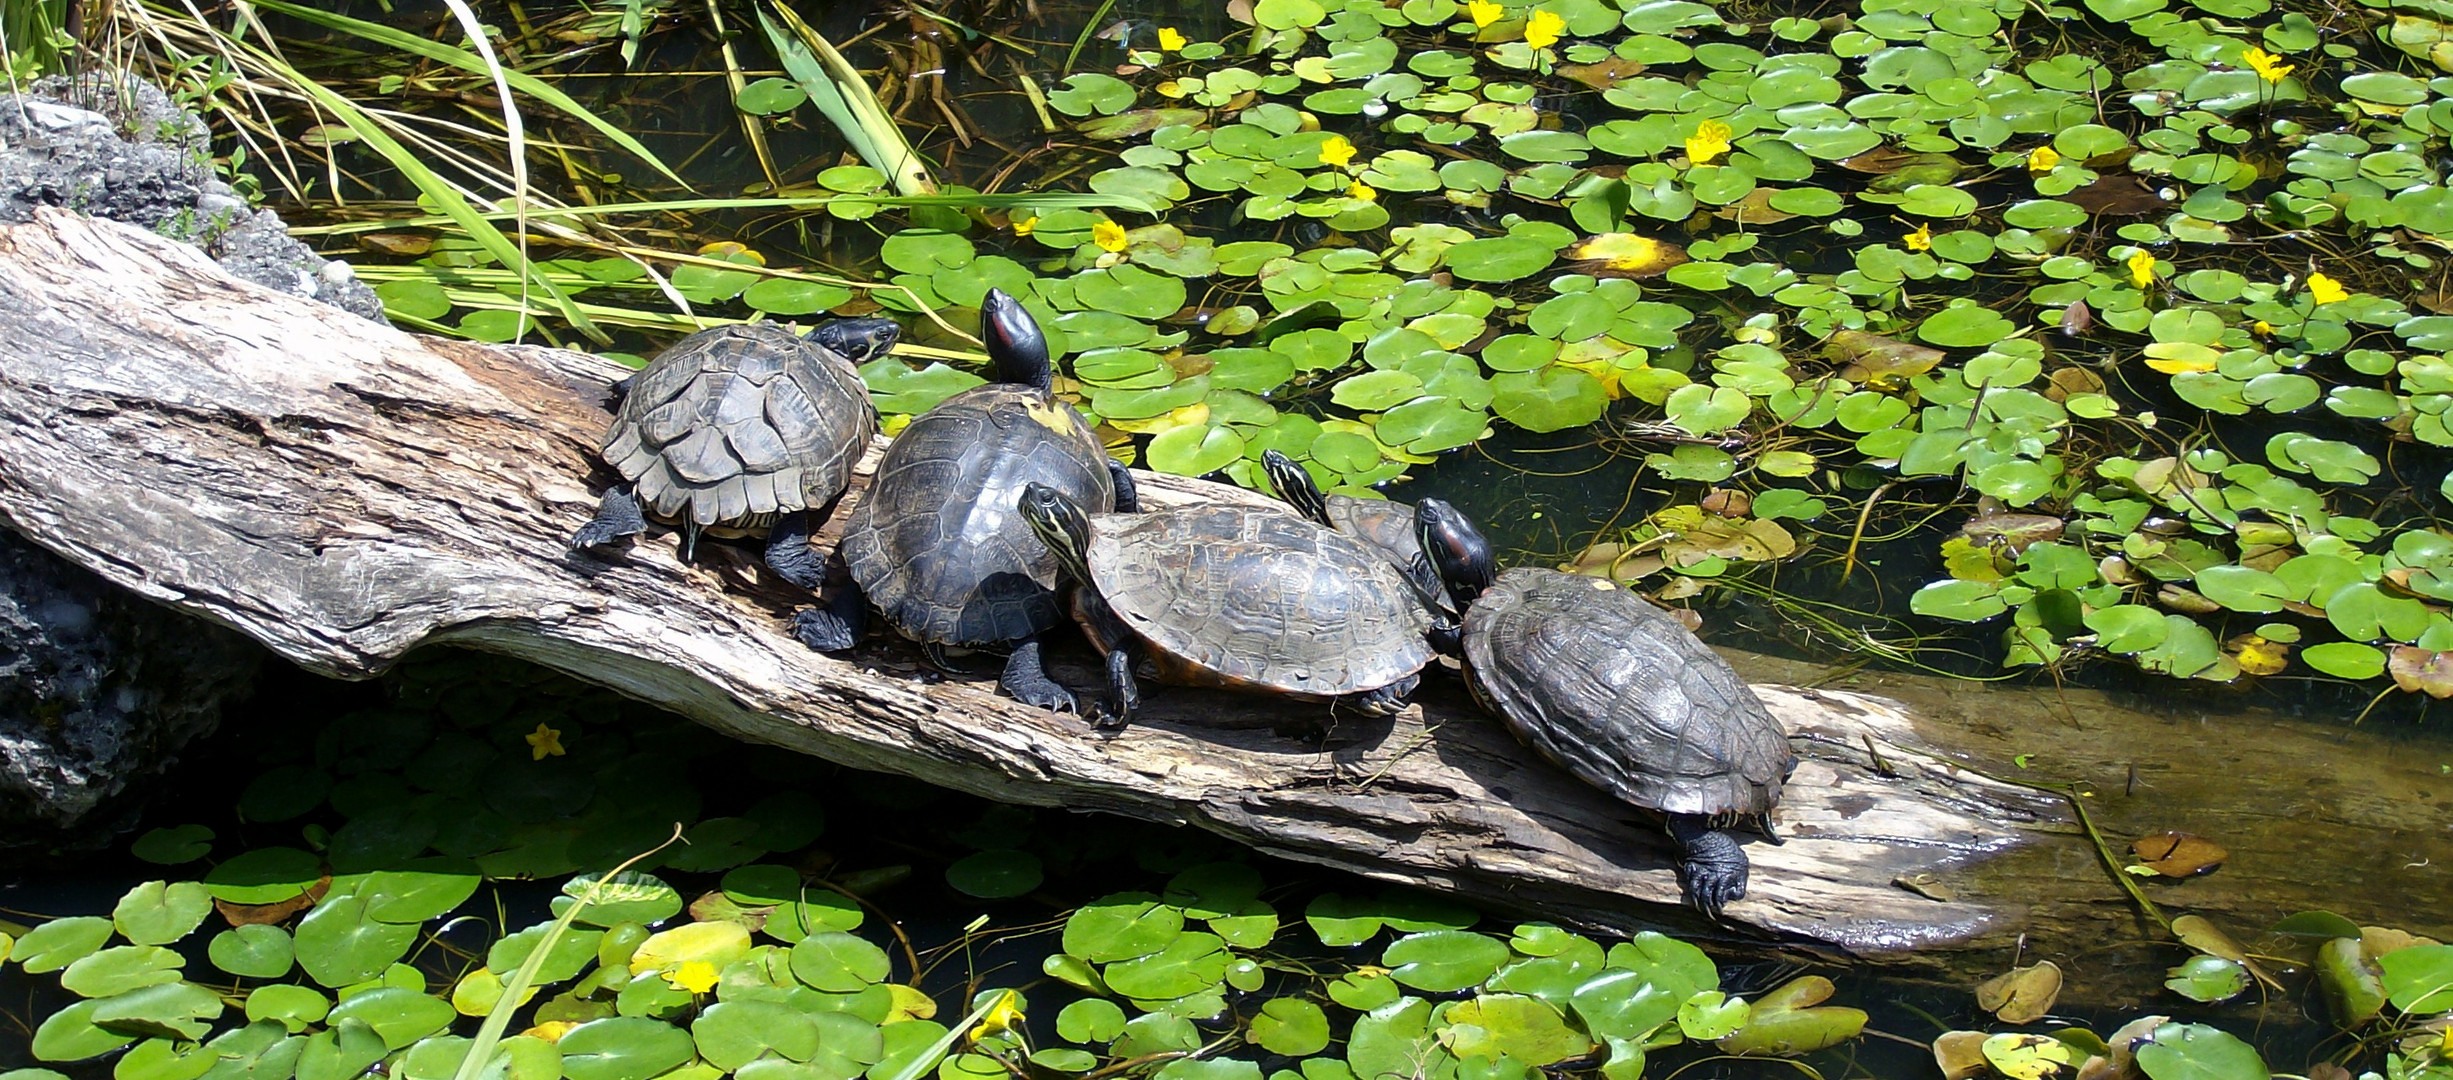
x: 345, y: 493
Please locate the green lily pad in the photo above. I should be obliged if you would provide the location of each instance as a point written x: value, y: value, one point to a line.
x: 1441, y: 961
x: 995, y: 875
x: 624, y: 1048
x: 158, y: 913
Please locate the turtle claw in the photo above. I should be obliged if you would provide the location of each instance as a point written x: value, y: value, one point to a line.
x: 616, y: 517
x: 1714, y: 869
x: 1026, y: 678
x: 1387, y: 700
x: 823, y: 630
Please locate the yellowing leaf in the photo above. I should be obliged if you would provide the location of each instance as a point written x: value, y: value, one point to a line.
x: 1627, y: 255
x: 1542, y: 31
x: 1482, y: 12
x: 894, y: 423
x: 717, y: 943
x: 909, y: 1003
x: 2325, y: 290
x: 1170, y: 39
x: 2043, y: 159
x: 1920, y: 240
x: 1193, y: 415
x: 1336, y: 152
x: 1109, y: 236
x: 2258, y: 656
x: 2180, y: 365
x: 1711, y: 140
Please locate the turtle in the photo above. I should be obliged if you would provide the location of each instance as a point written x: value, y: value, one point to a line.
x: 1621, y: 694
x: 741, y: 431
x: 1248, y: 598
x: 1385, y: 526
x: 935, y: 545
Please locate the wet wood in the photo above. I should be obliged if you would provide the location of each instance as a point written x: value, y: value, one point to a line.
x: 346, y: 493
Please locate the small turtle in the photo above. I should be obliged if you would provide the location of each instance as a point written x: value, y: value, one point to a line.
x: 935, y: 543
x: 1236, y: 597
x: 741, y: 431
x: 1384, y: 526
x: 1621, y: 694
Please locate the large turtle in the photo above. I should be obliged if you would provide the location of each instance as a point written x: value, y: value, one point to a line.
x: 1384, y: 526
x: 1236, y: 597
x: 935, y: 544
x: 1621, y: 694
x: 741, y: 431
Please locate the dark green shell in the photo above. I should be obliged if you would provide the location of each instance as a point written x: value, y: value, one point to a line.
x: 735, y: 425
x: 1260, y: 598
x: 1623, y: 695
x: 1388, y: 528
x: 938, y: 543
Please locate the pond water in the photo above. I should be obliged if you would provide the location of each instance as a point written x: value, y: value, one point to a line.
x: 2227, y: 321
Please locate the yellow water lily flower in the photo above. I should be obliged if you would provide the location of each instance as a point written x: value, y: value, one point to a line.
x: 1336, y: 152
x: 1023, y: 226
x: 1483, y: 12
x: 696, y: 976
x: 1711, y: 140
x: 2267, y: 65
x: 2043, y: 159
x: 1109, y: 236
x: 1170, y: 39
x: 543, y: 743
x: 1920, y: 240
x: 551, y: 1031
x: 2141, y: 268
x: 2325, y: 290
x: 1542, y: 31
x: 2262, y: 328
x: 1362, y: 191
x: 1001, y: 1017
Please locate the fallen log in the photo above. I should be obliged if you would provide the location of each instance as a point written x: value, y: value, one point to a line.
x: 344, y: 493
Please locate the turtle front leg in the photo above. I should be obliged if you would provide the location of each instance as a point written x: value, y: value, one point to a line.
x: 841, y: 617
x: 1123, y: 694
x: 1026, y: 678
x: 1714, y: 868
x: 617, y: 516
x: 1387, y: 700
x: 790, y: 555
x: 1128, y: 493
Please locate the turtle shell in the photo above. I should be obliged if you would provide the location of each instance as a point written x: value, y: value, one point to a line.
x: 1388, y: 528
x: 1623, y: 695
x: 938, y: 542
x: 1258, y: 598
x: 736, y: 425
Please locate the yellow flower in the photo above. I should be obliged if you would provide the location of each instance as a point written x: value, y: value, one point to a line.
x: 1920, y: 240
x: 1711, y: 140
x: 1362, y: 191
x: 2262, y: 328
x: 551, y: 1031
x: 2043, y: 159
x: 696, y: 976
x: 543, y: 743
x: 2141, y: 267
x: 1109, y: 236
x: 2325, y: 290
x: 1170, y: 39
x: 1001, y: 1017
x: 1336, y: 152
x: 1482, y: 12
x: 1023, y: 226
x: 2267, y: 65
x: 1542, y: 31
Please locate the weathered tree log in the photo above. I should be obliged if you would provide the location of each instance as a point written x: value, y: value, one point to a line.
x: 345, y: 493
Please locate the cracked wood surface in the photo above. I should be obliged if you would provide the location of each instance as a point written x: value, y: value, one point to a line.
x: 345, y: 493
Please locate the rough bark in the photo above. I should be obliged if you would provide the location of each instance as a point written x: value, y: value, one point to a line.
x: 344, y: 493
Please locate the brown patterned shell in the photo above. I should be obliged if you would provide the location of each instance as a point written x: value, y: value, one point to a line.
x: 1260, y: 599
x: 735, y: 425
x: 1623, y: 695
x: 938, y: 543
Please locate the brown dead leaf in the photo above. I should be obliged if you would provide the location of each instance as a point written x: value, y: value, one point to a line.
x: 2002, y: 530
x: 2076, y: 319
x: 1961, y: 1054
x: 2179, y: 854
x: 2064, y: 382
x: 2200, y: 933
x: 2421, y: 670
x: 1728, y: 502
x: 1881, y: 160
x: 2185, y: 601
x: 1878, y: 361
x: 2327, y: 1070
x: 2376, y: 941
x: 1929, y: 886
x: 2117, y: 195
x: 407, y: 245
x: 1754, y: 209
x: 2021, y: 995
x: 1604, y: 74
x: 272, y: 914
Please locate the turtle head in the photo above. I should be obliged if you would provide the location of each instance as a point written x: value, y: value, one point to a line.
x: 1295, y: 485
x: 856, y: 340
x: 1061, y: 524
x: 1015, y: 342
x: 1456, y: 549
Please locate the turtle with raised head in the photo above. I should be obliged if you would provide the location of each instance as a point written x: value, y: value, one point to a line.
x: 742, y: 431
x: 1383, y: 525
x: 1235, y: 597
x: 1618, y: 692
x: 935, y: 545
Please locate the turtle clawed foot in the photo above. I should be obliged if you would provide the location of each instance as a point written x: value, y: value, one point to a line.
x: 1713, y: 888
x: 1026, y: 678
x: 1050, y: 696
x: 616, y: 517
x: 1714, y: 868
x: 823, y: 630
x: 1387, y: 700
